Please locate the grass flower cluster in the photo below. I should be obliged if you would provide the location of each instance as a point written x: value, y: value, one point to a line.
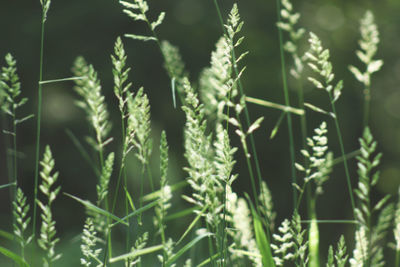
x: 223, y: 227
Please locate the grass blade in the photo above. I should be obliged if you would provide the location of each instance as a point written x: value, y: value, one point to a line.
x: 262, y: 240
x: 206, y: 261
x: 186, y: 248
x: 269, y: 104
x: 82, y: 151
x: 192, y: 224
x: 276, y: 127
x: 16, y: 258
x: 62, y: 80
x: 7, y: 185
x: 180, y: 214
x: 6, y: 235
x: 96, y: 209
x: 136, y: 212
x: 129, y: 198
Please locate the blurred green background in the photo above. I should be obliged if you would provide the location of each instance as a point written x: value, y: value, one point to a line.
x: 90, y: 28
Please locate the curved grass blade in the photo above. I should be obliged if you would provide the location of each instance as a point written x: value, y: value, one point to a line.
x: 63, y: 80
x: 206, y: 261
x: 181, y: 214
x: 16, y: 258
x: 192, y: 224
x: 6, y: 235
x: 96, y: 209
x: 82, y: 151
x: 276, y: 127
x: 261, y: 238
x: 136, y: 212
x: 270, y: 104
x: 186, y: 248
x: 130, y: 201
x: 8, y: 185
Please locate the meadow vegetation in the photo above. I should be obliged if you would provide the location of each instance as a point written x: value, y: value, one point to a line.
x: 126, y: 227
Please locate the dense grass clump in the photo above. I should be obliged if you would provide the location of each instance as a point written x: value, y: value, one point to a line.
x: 143, y: 214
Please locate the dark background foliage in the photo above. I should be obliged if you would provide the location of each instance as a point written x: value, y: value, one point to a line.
x: 90, y: 28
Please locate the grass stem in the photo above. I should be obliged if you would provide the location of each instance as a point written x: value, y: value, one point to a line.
x: 287, y: 103
x: 38, y: 124
x: 247, y: 118
x: 346, y: 168
x: 367, y: 103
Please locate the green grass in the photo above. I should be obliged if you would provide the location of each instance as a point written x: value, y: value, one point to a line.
x: 217, y: 225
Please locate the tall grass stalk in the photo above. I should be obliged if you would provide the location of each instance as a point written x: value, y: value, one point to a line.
x: 45, y: 8
x: 287, y: 103
x: 346, y: 167
x: 10, y: 91
x: 121, y: 91
x: 318, y: 61
x: 246, y: 113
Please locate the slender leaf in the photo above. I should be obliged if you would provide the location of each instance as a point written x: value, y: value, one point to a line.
x: 136, y: 212
x: 96, y: 209
x: 7, y: 185
x: 16, y: 258
x: 192, y: 224
x: 262, y: 240
x: 186, y: 248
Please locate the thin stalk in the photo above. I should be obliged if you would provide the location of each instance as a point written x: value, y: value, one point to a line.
x: 150, y: 177
x: 269, y: 104
x: 83, y: 152
x: 62, y: 80
x: 141, y: 190
x: 101, y: 157
x: 303, y: 119
x: 249, y: 165
x: 153, y: 32
x: 287, y: 103
x: 162, y: 233
x: 122, y: 172
x: 369, y: 234
x: 300, y: 197
x: 13, y: 190
x: 126, y: 211
x: 38, y: 122
x: 397, y: 258
x: 311, y: 202
x: 125, y: 180
x: 350, y: 155
x: 367, y: 104
x: 210, y: 246
x: 6, y: 146
x: 224, y: 248
x: 108, y: 227
x: 121, y: 169
x: 346, y: 168
x: 15, y: 153
x: 332, y: 221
